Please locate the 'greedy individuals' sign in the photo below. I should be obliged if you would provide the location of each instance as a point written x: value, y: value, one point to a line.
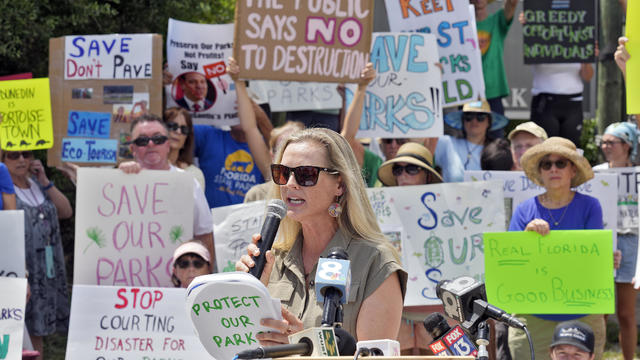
x: 310, y: 40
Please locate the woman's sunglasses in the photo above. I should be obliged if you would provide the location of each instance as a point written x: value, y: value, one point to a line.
x: 184, y: 129
x: 144, y: 140
x: 388, y: 141
x: 411, y: 169
x: 560, y: 164
x: 480, y: 117
x: 15, y: 155
x: 305, y: 175
x: 185, y: 263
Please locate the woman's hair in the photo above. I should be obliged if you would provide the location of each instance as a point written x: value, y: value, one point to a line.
x: 487, y: 137
x: 497, y: 156
x: 185, y: 154
x: 289, y: 126
x: 357, y: 218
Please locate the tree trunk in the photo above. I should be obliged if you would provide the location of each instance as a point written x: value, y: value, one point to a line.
x: 611, y: 103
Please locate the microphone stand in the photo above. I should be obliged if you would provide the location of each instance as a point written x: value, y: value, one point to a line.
x: 482, y: 339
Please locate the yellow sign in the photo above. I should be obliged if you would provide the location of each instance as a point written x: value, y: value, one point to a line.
x: 633, y: 64
x: 25, y: 112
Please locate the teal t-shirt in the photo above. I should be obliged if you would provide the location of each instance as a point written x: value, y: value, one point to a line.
x: 491, y: 34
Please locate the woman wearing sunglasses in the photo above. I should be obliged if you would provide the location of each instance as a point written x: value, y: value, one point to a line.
x: 181, y: 141
x: 411, y: 166
x: 620, y: 146
x: 190, y: 260
x: 555, y: 165
x: 317, y: 176
x: 43, y: 204
x: 475, y: 121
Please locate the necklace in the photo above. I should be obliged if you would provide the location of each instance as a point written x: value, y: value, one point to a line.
x: 557, y: 222
x: 469, y: 152
x: 35, y: 200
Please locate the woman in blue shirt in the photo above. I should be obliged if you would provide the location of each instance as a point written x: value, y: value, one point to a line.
x: 555, y: 165
x: 8, y: 198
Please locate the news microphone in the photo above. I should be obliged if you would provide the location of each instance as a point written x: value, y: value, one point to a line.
x: 448, y: 341
x: 384, y: 347
x: 276, y: 210
x: 346, y: 342
x: 465, y: 300
x: 333, y: 278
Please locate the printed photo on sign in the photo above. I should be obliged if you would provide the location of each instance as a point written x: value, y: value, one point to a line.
x: 443, y: 226
x: 303, y: 41
x: 127, y: 226
x: 453, y: 24
x: 110, y: 322
x: 405, y: 99
x: 196, y: 56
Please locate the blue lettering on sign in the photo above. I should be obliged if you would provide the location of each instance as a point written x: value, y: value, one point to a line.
x: 89, y: 150
x: 94, y: 46
x: 386, y: 54
x: 383, y: 113
x: 433, y: 216
x: 89, y: 124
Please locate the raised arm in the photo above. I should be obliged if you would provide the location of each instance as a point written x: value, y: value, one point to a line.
x: 246, y: 113
x: 510, y: 9
x: 354, y: 113
x: 622, y: 55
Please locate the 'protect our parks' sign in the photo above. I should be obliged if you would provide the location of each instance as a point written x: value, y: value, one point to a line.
x: 559, y: 31
x: 564, y: 272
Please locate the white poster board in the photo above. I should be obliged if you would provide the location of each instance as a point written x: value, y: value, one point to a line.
x: 405, y: 99
x: 442, y: 230
x: 297, y: 96
x: 197, y: 55
x: 128, y: 225
x: 110, y: 322
x: 628, y: 180
x: 233, y: 227
x: 12, y: 303
x: 453, y: 22
x: 12, y: 257
x: 107, y: 57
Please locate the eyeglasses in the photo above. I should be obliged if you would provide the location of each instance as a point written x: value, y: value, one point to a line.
x: 411, y: 169
x: 560, y: 164
x: 305, y: 175
x: 144, y: 140
x: 480, y: 117
x: 184, y: 129
x: 15, y: 155
x: 398, y: 141
x: 610, y: 142
x: 197, y: 263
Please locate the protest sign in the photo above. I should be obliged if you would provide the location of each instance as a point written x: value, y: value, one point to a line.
x: 233, y: 227
x: 628, y: 180
x: 632, y: 80
x: 25, y: 115
x: 12, y: 257
x: 196, y: 57
x: 405, y: 99
x: 443, y: 226
x: 112, y: 56
x: 127, y: 226
x: 13, y: 303
x: 564, y: 272
x: 517, y: 186
x: 559, y: 31
x: 110, y: 322
x: 324, y: 41
x: 226, y: 310
x: 297, y: 96
x: 453, y: 22
x: 102, y: 83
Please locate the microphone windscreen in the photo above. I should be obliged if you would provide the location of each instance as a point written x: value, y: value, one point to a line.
x: 277, y: 207
x: 346, y: 342
x: 436, y: 325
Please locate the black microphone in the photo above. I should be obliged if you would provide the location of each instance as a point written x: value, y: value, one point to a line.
x: 304, y: 348
x: 276, y: 210
x: 346, y: 342
x: 448, y: 341
x: 465, y: 300
x: 332, y: 282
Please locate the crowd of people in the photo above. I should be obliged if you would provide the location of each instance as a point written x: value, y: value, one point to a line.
x: 321, y: 173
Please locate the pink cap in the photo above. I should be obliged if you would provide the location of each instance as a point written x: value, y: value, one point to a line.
x: 192, y: 247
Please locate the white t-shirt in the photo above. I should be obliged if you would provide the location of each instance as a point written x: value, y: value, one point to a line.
x: 202, y: 219
x: 561, y: 79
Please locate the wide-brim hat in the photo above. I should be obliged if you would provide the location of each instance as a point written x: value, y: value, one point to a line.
x: 191, y: 247
x: 530, y: 161
x: 531, y: 128
x: 454, y: 119
x: 411, y: 153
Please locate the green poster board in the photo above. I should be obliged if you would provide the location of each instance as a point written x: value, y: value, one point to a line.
x: 565, y: 272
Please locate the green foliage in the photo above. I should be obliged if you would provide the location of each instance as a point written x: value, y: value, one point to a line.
x: 587, y: 141
x: 175, y: 233
x: 27, y: 25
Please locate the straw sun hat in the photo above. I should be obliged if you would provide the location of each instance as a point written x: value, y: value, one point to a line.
x: 560, y: 146
x: 411, y: 153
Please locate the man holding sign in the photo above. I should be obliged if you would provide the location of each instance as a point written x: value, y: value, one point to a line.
x: 150, y: 148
